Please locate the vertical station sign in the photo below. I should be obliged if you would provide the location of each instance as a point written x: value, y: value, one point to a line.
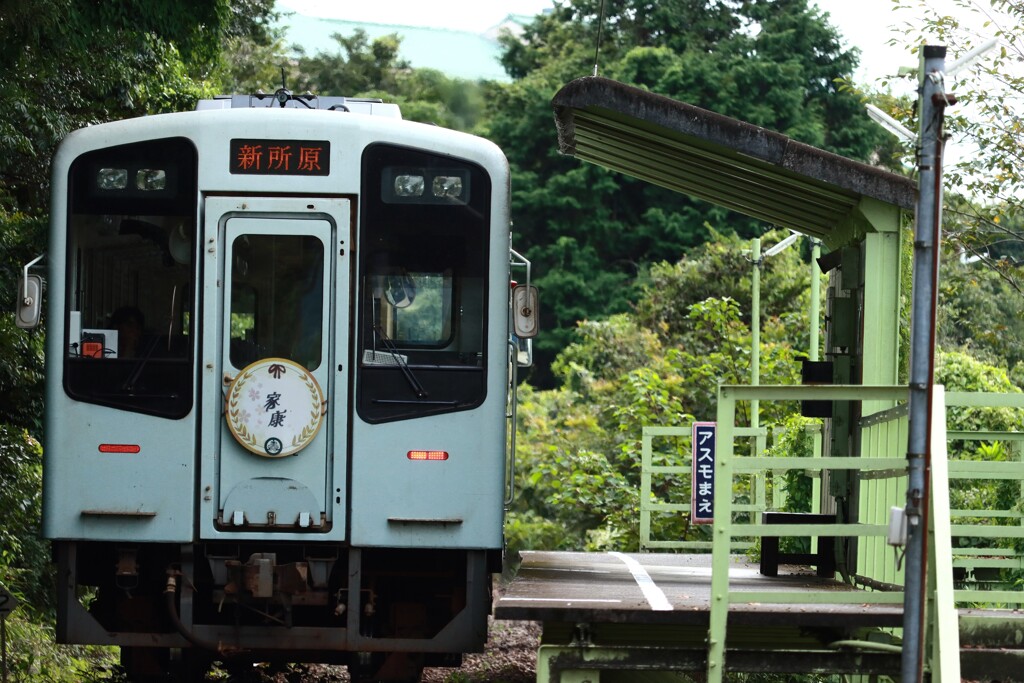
x: 702, y: 482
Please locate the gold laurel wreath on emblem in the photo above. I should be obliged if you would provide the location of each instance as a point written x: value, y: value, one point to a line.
x: 243, y: 433
x: 238, y: 427
x: 313, y: 425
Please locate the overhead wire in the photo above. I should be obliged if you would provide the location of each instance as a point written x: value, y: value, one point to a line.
x: 597, y: 48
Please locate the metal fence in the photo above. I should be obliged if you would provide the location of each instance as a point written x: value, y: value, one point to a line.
x: 967, y: 466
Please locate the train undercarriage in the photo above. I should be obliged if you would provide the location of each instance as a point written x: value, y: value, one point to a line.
x: 385, y: 613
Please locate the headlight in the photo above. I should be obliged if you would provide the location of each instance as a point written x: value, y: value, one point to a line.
x: 449, y: 186
x: 406, y: 185
x: 112, y: 178
x: 409, y: 185
x: 151, y: 179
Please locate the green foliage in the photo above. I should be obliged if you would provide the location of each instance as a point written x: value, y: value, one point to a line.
x: 535, y: 519
x: 988, y: 112
x: 24, y: 557
x: 982, y: 312
x: 579, y: 446
x: 959, y: 371
x: 717, y: 351
x: 984, y: 203
x: 526, y: 529
x: 605, y: 349
x: 21, y: 374
x: 248, y: 66
x: 574, y: 284
x: 359, y: 66
x: 34, y: 657
x: 569, y: 493
x: 774, y: 64
x: 793, y: 438
x: 21, y: 353
x: 722, y: 268
x: 429, y: 96
x: 662, y: 365
x: 70, y: 63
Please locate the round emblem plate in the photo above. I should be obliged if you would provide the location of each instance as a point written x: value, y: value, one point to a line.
x: 274, y: 408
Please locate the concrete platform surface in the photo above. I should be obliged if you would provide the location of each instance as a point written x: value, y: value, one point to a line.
x: 662, y: 588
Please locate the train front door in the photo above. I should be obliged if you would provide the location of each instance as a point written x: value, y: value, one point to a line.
x: 282, y: 353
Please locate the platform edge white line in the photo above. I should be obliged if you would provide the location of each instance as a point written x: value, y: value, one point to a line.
x: 655, y: 597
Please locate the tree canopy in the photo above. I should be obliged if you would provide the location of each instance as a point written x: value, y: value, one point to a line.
x: 984, y: 205
x: 592, y: 233
x: 579, y: 468
x: 69, y: 63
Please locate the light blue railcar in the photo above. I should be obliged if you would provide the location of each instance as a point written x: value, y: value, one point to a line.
x: 278, y: 386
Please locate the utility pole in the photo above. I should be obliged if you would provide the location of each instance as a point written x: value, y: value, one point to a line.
x: 755, y: 331
x: 931, y: 109
x: 924, y: 304
x: 755, y: 315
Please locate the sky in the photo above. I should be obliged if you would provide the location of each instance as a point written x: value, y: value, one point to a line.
x: 466, y: 15
x: 863, y: 23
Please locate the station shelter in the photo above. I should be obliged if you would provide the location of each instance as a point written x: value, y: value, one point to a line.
x: 843, y: 616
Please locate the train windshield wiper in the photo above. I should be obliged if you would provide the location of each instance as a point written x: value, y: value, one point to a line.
x: 140, y: 365
x: 129, y: 384
x: 390, y: 347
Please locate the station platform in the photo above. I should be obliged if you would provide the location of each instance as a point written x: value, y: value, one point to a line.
x: 664, y: 588
x: 613, y: 616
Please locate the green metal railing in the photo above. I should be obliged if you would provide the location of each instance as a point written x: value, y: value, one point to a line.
x: 981, y: 544
x: 766, y: 490
x: 879, y: 472
x: 880, y: 462
x: 650, y: 505
x: 983, y: 535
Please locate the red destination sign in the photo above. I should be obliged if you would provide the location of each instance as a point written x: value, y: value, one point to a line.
x: 280, y: 157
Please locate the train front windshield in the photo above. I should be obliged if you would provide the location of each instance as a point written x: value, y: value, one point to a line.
x: 423, y: 271
x: 130, y: 274
x: 421, y: 315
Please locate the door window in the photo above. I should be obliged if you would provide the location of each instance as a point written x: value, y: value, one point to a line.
x: 277, y: 298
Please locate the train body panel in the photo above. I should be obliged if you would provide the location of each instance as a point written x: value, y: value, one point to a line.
x: 398, y: 502
x: 278, y: 383
x: 144, y: 496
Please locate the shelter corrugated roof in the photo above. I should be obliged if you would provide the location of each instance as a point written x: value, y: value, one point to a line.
x: 743, y: 167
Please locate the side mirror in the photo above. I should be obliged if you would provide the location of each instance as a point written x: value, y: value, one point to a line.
x: 30, y: 301
x: 525, y: 312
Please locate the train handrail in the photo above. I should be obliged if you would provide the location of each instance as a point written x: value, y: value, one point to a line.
x: 510, y: 457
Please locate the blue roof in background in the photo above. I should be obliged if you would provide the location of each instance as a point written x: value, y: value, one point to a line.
x: 458, y: 54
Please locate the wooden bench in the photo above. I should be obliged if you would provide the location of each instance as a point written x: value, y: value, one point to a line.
x: 824, y: 560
